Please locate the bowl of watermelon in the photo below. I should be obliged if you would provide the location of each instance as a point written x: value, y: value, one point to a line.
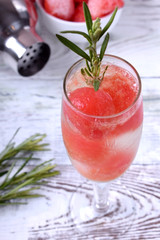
x: 64, y: 15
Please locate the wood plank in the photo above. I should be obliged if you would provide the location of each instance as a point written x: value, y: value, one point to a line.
x: 52, y: 219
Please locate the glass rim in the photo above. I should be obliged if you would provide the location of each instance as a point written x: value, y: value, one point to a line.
x: 106, y: 116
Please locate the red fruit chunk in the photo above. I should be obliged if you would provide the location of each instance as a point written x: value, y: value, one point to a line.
x: 100, y: 8
x: 80, y: 1
x: 78, y: 14
x: 91, y: 102
x: 121, y: 87
x: 61, y: 9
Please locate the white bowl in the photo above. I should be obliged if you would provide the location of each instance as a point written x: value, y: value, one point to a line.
x: 55, y: 25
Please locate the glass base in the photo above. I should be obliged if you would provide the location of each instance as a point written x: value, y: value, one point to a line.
x: 114, y: 221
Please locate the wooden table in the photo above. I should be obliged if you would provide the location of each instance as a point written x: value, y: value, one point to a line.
x: 34, y: 104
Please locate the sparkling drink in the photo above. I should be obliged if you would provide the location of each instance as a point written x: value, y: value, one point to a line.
x: 102, y: 129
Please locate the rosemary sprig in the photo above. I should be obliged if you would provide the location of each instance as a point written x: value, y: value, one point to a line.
x: 17, y: 184
x: 92, y: 72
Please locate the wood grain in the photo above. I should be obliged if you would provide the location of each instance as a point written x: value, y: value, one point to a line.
x: 50, y: 217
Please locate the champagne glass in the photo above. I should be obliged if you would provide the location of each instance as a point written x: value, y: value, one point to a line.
x: 101, y: 132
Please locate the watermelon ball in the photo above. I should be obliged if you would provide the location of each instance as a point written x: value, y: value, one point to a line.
x: 60, y: 9
x: 100, y: 8
x: 91, y: 102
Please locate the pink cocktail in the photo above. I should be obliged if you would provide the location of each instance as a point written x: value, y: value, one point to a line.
x: 102, y: 129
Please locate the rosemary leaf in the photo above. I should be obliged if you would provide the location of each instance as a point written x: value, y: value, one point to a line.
x: 20, y: 195
x: 104, y: 46
x: 87, y: 15
x: 19, y: 185
x: 88, y: 73
x: 30, y: 144
x: 15, y: 190
x: 19, y: 169
x: 7, y: 175
x: 73, y: 47
x: 92, y: 72
x: 87, y: 64
x: 80, y: 33
x: 96, y: 84
x: 3, y: 173
x: 109, y: 23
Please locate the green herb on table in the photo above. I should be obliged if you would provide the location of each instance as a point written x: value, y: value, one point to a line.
x: 92, y: 71
x: 17, y: 184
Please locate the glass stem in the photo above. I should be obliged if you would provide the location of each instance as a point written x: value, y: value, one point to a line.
x: 101, y: 191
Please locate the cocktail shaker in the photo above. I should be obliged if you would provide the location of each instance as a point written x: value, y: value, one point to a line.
x: 21, y: 47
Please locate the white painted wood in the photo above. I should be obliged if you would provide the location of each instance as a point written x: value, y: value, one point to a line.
x: 34, y: 104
